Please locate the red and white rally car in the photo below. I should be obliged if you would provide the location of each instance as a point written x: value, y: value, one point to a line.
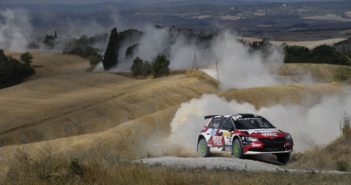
x: 243, y: 134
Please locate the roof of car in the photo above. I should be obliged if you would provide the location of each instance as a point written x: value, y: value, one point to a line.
x: 238, y: 115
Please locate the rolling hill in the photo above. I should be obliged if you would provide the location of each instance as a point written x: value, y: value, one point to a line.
x: 86, y: 114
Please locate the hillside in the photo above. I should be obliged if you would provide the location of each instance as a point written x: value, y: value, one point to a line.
x: 104, y: 115
x: 51, y: 64
x: 129, y: 139
x: 81, y: 103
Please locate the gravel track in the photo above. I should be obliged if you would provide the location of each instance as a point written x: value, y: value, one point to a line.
x: 224, y: 163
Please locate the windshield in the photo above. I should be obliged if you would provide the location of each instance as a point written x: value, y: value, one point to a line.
x: 253, y: 123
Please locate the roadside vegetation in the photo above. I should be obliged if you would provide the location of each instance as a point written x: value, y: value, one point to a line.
x: 13, y: 71
x: 48, y: 168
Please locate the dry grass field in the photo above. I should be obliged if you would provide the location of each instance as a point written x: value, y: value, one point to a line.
x: 318, y: 72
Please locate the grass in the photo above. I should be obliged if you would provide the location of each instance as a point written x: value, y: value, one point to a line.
x: 318, y: 72
x: 342, y: 74
x: 48, y: 168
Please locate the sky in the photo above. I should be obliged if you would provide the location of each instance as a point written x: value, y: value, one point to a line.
x: 124, y: 1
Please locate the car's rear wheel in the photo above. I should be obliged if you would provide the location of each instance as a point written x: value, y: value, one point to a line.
x: 202, y: 148
x: 237, y: 150
x: 283, y: 158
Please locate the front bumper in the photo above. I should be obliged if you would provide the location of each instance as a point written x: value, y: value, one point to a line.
x: 275, y: 152
x: 268, y: 147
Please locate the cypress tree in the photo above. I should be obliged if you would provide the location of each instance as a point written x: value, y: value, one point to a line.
x: 111, y: 53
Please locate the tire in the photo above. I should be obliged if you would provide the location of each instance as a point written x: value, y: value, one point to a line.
x: 237, y: 149
x: 283, y: 158
x: 202, y: 148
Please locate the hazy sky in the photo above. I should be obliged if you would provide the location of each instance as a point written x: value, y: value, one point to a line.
x: 125, y: 1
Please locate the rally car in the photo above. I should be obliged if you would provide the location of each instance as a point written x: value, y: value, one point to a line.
x: 242, y: 135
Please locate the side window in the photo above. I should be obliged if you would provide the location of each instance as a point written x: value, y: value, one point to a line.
x: 215, y: 123
x: 227, y: 124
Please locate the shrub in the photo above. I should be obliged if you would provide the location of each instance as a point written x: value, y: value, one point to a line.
x: 342, y: 165
x: 27, y: 58
x: 76, y: 168
x: 346, y: 126
x: 140, y: 67
x: 160, y: 66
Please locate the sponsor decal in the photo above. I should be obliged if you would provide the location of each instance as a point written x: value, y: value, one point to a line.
x: 217, y: 140
x: 250, y: 131
x: 227, y: 134
x: 270, y: 134
x: 256, y: 144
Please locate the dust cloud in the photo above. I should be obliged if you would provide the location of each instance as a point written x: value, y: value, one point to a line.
x: 313, y: 125
x: 15, y: 29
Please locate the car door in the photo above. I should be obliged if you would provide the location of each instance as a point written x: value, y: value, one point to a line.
x: 225, y: 130
x: 216, y: 140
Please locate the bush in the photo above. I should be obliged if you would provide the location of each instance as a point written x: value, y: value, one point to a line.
x: 160, y: 66
x: 13, y: 71
x: 76, y: 168
x: 342, y: 166
x: 140, y: 67
x: 27, y: 58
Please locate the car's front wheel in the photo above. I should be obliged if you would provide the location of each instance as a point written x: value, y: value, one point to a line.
x: 283, y: 158
x: 202, y: 148
x: 237, y: 150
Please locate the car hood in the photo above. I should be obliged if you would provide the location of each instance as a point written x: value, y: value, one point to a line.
x: 265, y: 133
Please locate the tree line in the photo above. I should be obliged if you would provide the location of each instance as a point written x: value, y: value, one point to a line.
x: 13, y: 71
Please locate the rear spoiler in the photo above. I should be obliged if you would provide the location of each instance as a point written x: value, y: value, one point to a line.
x: 210, y: 116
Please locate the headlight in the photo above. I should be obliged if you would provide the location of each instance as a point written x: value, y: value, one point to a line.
x: 251, y: 139
x: 288, y: 137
